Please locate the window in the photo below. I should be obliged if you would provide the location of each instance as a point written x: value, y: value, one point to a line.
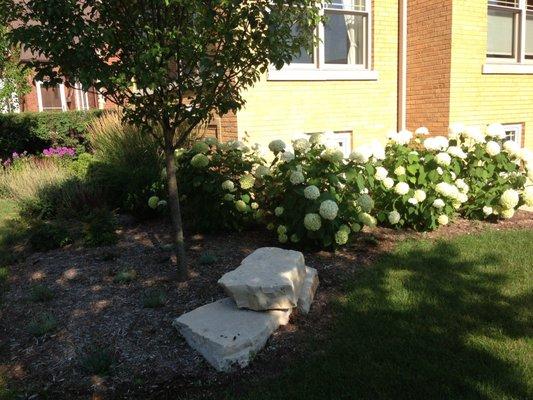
x: 342, y: 140
x: 51, y: 98
x: 510, y: 31
x: 344, y: 48
x: 514, y: 132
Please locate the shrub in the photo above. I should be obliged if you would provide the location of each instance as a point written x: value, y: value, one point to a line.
x: 207, y: 259
x: 98, y: 360
x: 4, y: 275
x: 416, y: 185
x: 218, y: 184
x: 47, y: 235
x: 33, y: 132
x: 126, y: 164
x: 494, y: 169
x: 40, y: 293
x: 43, y: 324
x: 154, y: 298
x: 100, y: 229
x: 125, y: 276
x: 314, y: 195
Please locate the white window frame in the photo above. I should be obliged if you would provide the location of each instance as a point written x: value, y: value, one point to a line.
x: 517, y: 129
x: 518, y: 64
x: 344, y: 138
x: 319, y: 70
x: 82, y: 98
x: 64, y: 106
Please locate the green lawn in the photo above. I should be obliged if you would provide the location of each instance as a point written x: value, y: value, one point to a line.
x: 433, y: 320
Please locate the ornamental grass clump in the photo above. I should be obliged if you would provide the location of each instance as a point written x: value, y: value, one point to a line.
x: 415, y: 186
x: 218, y: 185
x: 310, y: 196
x: 494, y: 168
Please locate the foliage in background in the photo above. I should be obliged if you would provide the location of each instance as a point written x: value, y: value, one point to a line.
x: 126, y: 164
x: 314, y: 195
x: 32, y: 131
x: 14, y: 77
x: 219, y: 182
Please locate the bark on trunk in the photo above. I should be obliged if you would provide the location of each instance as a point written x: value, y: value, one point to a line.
x: 177, y: 258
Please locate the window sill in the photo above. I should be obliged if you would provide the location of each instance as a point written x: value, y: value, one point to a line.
x: 322, y: 75
x: 508, y: 69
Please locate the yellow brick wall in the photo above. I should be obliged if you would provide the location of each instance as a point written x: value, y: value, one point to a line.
x: 477, y: 98
x: 366, y: 108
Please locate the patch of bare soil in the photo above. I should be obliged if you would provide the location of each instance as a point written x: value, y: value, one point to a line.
x: 151, y: 360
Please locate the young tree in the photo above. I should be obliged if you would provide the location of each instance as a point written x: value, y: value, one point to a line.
x: 13, y: 75
x: 170, y: 62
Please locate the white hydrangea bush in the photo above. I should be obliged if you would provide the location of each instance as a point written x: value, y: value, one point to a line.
x: 309, y: 197
x: 219, y: 184
x: 415, y: 186
x: 494, y: 168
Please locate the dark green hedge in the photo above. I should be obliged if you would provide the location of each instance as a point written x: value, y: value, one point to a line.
x: 33, y: 132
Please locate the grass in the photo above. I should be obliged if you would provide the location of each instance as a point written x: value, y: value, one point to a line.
x: 125, y: 276
x: 154, y: 298
x: 42, y: 324
x: 98, y: 361
x: 432, y: 320
x: 41, y: 294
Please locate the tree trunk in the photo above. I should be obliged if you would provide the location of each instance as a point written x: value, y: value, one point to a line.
x: 177, y: 259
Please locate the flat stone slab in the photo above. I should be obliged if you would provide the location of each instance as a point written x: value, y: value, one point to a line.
x: 268, y: 279
x: 228, y: 336
x: 307, y: 294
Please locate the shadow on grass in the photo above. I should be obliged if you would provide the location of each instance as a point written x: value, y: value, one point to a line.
x: 450, y: 320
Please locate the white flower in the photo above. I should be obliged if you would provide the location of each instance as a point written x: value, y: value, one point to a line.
x: 440, y: 171
x: 381, y: 174
x: 455, y: 130
x: 297, y: 177
x: 454, y: 177
x: 317, y: 138
x: 496, y: 131
x: 527, y: 196
x: 402, y: 138
x: 312, y: 222
x: 399, y: 171
x: 462, y: 198
x: 247, y: 181
x: 456, y: 151
x: 462, y: 185
x: 437, y: 143
x: 443, y: 159
x: 368, y: 220
x: 311, y: 192
x: 402, y: 188
x: 282, y: 230
x: 474, y: 133
x: 527, y: 156
x: 413, y: 201
x: 443, y: 219
x: 488, y: 210
x: 439, y: 204
x: 378, y: 151
x: 510, y: 199
x: 287, y: 156
x: 329, y: 210
x: 422, y: 131
x: 492, y: 148
x: 279, y: 211
x: 276, y: 146
x: 228, y: 185
x: 332, y: 155
x: 365, y: 202
x: 361, y: 155
x: 388, y: 183
x: 343, y: 235
x: 394, y: 217
x: 511, y: 147
x: 508, y: 213
x: 420, y: 195
x: 447, y: 190
x: 262, y: 171
x: 301, y: 145
x: 254, y: 206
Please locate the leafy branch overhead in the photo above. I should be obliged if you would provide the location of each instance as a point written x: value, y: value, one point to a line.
x: 175, y: 61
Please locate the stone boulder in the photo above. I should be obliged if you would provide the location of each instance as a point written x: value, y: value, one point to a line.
x: 268, y: 279
x: 307, y: 293
x: 228, y: 336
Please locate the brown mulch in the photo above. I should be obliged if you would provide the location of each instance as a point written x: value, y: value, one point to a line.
x: 151, y: 359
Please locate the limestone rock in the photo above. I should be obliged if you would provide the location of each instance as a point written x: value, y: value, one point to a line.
x: 226, y: 335
x: 268, y: 279
x: 307, y: 294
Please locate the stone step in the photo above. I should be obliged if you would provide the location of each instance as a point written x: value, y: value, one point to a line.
x: 268, y: 279
x: 226, y: 335
x: 307, y: 293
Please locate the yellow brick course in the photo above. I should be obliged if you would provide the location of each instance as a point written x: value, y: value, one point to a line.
x: 366, y: 108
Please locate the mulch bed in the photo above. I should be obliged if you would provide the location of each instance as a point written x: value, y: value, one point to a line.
x: 151, y: 359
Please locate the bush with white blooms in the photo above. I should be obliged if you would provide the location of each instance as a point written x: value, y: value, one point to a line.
x: 416, y: 186
x: 309, y: 196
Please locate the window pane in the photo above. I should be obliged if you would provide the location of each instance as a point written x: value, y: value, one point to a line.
x: 529, y: 36
x: 51, y: 98
x: 501, y: 33
x: 357, y: 5
x: 304, y: 57
x: 344, y: 39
